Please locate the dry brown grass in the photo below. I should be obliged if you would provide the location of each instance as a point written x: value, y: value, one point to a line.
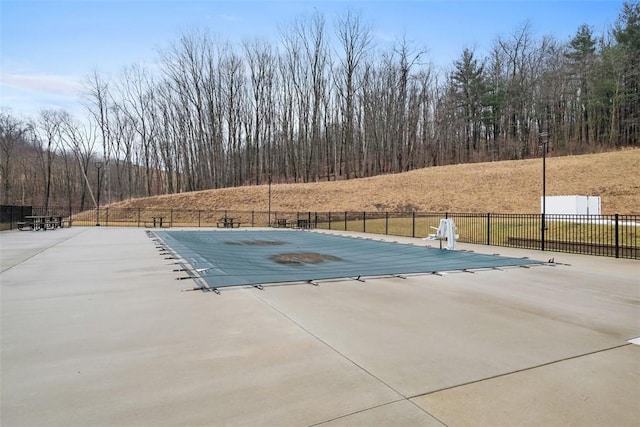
x: 500, y: 187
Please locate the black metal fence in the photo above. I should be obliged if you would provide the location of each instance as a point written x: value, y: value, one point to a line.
x: 603, y: 235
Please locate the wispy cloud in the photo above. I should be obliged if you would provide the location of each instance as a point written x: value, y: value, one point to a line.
x: 42, y: 83
x: 31, y: 93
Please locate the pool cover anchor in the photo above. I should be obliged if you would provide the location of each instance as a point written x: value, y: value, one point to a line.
x: 311, y: 282
x: 552, y: 262
x: 197, y: 288
x: 203, y: 288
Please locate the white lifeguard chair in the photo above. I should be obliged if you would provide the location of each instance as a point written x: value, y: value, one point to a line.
x: 446, y: 231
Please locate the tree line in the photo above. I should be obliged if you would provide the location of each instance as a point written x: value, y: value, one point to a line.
x: 324, y: 103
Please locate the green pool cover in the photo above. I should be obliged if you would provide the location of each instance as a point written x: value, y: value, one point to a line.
x: 253, y: 257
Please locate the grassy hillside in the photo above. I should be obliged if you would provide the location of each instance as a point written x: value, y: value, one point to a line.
x: 500, y: 187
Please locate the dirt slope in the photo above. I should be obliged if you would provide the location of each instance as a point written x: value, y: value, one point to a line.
x: 500, y: 187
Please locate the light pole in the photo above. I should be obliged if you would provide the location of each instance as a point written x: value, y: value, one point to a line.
x: 269, y: 200
x: 98, y: 166
x: 544, y: 142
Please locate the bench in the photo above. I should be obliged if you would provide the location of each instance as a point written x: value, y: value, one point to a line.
x: 607, y: 249
x: 54, y: 222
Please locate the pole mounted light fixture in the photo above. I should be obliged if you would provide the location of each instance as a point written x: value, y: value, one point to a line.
x: 544, y: 143
x: 269, y: 200
x: 98, y: 165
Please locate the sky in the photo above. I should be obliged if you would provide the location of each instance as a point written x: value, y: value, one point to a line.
x: 48, y: 48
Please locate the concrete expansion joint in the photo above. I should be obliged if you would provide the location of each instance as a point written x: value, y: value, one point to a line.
x: 531, y: 368
x: 43, y: 250
x: 353, y: 362
x: 382, y: 405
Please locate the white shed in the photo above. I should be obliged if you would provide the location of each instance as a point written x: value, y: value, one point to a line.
x: 572, y: 205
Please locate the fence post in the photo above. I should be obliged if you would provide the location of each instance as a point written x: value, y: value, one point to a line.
x: 386, y: 223
x: 138, y: 217
x: 345, y: 220
x: 488, y: 228
x: 617, y: 239
x: 329, y: 220
x: 171, y: 217
x: 413, y: 225
x: 364, y: 222
x: 544, y: 226
x: 199, y: 212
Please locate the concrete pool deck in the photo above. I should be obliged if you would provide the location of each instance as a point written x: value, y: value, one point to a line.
x: 96, y: 330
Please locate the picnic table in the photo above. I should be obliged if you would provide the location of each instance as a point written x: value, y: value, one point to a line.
x: 305, y: 223
x: 227, y: 222
x: 281, y: 223
x: 40, y: 222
